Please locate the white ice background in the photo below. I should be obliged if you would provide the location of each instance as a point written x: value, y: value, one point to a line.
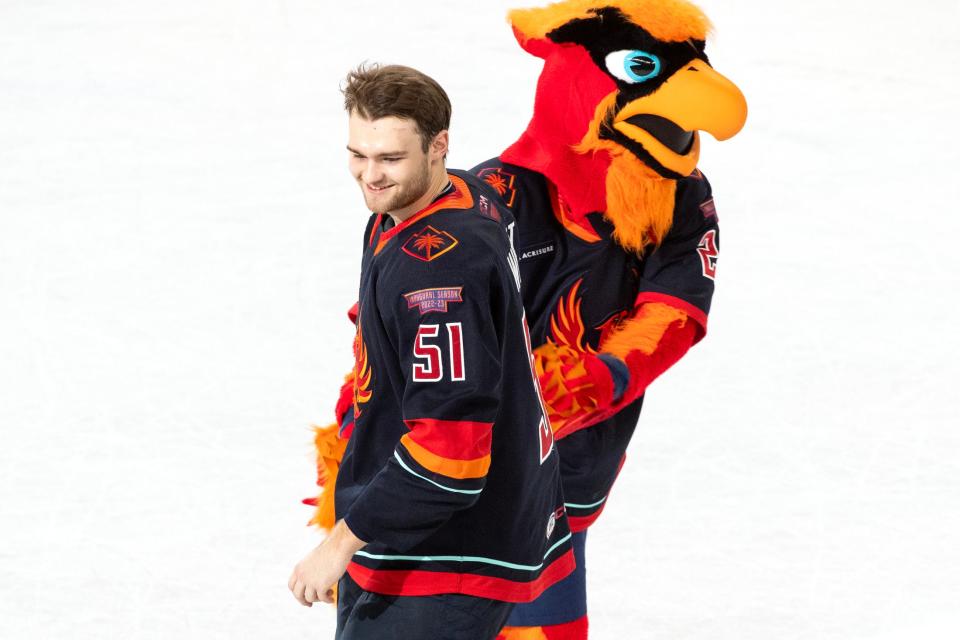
x: 180, y: 239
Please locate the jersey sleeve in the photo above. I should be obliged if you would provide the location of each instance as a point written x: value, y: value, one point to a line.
x: 681, y: 271
x: 444, y: 328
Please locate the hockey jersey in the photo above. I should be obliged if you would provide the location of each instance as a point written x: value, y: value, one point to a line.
x: 451, y: 473
x: 578, y: 283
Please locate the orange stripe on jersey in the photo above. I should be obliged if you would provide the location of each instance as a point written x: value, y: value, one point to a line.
x: 460, y: 469
x: 452, y: 439
x: 460, y: 198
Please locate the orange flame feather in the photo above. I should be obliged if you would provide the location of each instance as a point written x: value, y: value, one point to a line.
x: 362, y: 373
x: 566, y: 323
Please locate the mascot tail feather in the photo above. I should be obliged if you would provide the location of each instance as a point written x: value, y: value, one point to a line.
x: 330, y: 447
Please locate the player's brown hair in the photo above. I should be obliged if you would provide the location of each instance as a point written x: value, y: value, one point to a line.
x: 375, y: 91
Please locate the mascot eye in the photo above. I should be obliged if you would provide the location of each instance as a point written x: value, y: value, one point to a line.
x: 633, y: 66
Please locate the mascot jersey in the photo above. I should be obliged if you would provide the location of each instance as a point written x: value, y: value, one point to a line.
x: 451, y: 470
x: 579, y: 285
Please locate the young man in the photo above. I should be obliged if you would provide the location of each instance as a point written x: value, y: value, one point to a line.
x: 448, y: 498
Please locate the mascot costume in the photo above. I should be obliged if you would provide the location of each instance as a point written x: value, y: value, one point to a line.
x: 617, y: 238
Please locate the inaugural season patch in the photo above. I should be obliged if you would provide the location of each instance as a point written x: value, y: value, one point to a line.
x: 429, y: 244
x: 436, y: 299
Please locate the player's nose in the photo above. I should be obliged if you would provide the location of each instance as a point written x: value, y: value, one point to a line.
x: 372, y: 173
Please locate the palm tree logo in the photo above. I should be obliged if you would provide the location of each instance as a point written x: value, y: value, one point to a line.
x: 498, y: 182
x: 502, y: 183
x: 429, y: 243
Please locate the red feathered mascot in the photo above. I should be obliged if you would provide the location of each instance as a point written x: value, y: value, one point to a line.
x: 616, y: 233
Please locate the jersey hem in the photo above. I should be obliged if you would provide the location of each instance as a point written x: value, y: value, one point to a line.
x: 427, y: 583
x: 583, y: 523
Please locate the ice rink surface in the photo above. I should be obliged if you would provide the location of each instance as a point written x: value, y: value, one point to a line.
x: 180, y: 239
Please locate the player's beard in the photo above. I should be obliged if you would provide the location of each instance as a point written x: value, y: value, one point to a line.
x: 407, y: 195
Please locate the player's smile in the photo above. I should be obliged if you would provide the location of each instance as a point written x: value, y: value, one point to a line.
x: 390, y: 165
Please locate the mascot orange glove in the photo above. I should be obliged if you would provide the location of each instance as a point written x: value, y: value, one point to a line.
x: 581, y: 388
x: 575, y: 382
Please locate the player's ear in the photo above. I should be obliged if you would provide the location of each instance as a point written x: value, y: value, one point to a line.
x: 440, y: 145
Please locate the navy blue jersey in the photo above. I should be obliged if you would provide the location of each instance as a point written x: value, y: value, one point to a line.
x: 578, y: 283
x: 451, y: 473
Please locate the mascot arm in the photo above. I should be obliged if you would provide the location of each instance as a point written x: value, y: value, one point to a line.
x: 581, y: 389
x: 669, y: 316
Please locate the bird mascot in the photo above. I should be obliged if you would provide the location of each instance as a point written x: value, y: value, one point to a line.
x: 617, y: 238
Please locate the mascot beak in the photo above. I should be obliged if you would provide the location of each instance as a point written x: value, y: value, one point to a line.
x: 665, y: 123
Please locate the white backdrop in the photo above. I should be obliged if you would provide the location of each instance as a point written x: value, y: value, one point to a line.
x: 179, y: 241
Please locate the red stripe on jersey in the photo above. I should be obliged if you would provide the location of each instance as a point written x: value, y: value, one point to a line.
x: 377, y: 225
x: 454, y: 439
x: 678, y: 303
x: 426, y: 583
x: 581, y: 524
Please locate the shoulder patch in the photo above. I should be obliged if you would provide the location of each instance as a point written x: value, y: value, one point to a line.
x: 502, y: 182
x: 708, y: 209
x: 435, y: 299
x: 429, y: 244
x: 707, y: 248
x: 486, y: 209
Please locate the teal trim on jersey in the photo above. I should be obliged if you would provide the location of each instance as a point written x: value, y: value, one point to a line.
x: 409, y: 470
x: 571, y: 505
x: 498, y: 563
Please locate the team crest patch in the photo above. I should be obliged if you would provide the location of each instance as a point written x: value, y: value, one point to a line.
x: 437, y: 299
x: 429, y: 244
x: 708, y: 209
x: 502, y: 183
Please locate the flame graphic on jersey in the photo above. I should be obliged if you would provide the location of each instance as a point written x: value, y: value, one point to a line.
x: 361, y: 371
x: 567, y: 327
x: 566, y: 323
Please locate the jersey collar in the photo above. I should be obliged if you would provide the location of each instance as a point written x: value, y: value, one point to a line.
x: 456, y: 197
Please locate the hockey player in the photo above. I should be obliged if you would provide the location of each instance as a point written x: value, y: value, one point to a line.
x: 616, y: 234
x: 448, y: 499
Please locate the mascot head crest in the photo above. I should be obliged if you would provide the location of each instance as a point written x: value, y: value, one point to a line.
x: 625, y: 89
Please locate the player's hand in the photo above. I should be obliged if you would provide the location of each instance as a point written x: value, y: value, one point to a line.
x: 313, y: 578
